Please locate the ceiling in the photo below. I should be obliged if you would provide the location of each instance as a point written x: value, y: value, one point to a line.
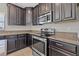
x: 23, y: 5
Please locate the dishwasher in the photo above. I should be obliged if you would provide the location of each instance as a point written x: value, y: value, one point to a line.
x: 3, y: 47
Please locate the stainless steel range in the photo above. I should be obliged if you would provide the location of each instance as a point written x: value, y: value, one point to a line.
x: 39, y: 46
x: 39, y: 43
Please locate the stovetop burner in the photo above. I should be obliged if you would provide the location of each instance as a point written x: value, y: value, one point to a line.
x: 47, y: 32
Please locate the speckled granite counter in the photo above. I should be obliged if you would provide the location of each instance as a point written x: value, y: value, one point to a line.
x: 66, y: 37
x: 61, y: 36
x: 17, y: 32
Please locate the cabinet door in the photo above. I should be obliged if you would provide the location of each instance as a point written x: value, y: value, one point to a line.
x: 16, y: 15
x: 35, y: 15
x: 23, y: 18
x: 69, y: 11
x: 11, y: 45
x: 54, y: 52
x: 30, y: 40
x: 52, y: 6
x: 57, y: 12
x: 20, y: 16
x: 48, y: 7
x: 11, y: 15
x: 50, y: 52
x: 42, y: 8
x: 22, y: 42
x: 17, y: 44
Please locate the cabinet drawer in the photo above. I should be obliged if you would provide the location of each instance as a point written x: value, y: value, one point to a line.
x: 2, y: 37
x: 21, y: 35
x: 2, y: 42
x: 63, y: 45
x: 11, y: 36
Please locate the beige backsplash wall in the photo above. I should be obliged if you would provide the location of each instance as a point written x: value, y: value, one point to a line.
x: 63, y: 27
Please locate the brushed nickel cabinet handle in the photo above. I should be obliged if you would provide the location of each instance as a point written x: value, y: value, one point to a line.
x: 59, y: 44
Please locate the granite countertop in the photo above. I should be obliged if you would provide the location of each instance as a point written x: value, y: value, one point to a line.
x: 66, y: 37
x: 64, y: 40
x: 63, y: 36
x: 18, y: 32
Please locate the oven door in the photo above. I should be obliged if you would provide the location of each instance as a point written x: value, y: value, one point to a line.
x: 39, y: 45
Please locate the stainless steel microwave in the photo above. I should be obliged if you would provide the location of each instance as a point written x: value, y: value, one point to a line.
x: 46, y: 18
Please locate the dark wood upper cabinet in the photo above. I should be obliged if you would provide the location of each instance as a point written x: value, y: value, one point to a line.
x: 57, y: 12
x: 63, y: 11
x: 44, y: 8
x: 35, y: 15
x: 29, y: 16
x: 41, y: 7
x: 24, y: 17
x: 48, y: 7
x: 68, y: 11
x: 12, y: 13
x: 21, y: 19
x: 16, y: 15
x: 11, y: 40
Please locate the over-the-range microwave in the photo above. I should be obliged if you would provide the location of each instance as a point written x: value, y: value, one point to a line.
x: 46, y: 18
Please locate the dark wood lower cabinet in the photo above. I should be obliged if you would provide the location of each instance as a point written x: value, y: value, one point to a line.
x: 55, y: 53
x: 50, y: 52
x: 21, y: 41
x: 11, y: 45
x: 29, y: 39
x: 16, y: 42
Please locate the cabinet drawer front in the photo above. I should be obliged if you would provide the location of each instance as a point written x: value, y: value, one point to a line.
x: 57, y: 12
x: 2, y: 42
x: 2, y: 37
x: 21, y: 35
x: 11, y: 36
x: 66, y: 46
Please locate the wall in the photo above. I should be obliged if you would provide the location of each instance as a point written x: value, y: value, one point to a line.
x: 3, y: 10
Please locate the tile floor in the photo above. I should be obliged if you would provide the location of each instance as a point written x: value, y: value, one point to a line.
x: 23, y: 52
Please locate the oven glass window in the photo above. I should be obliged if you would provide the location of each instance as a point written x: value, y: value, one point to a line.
x: 39, y: 45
